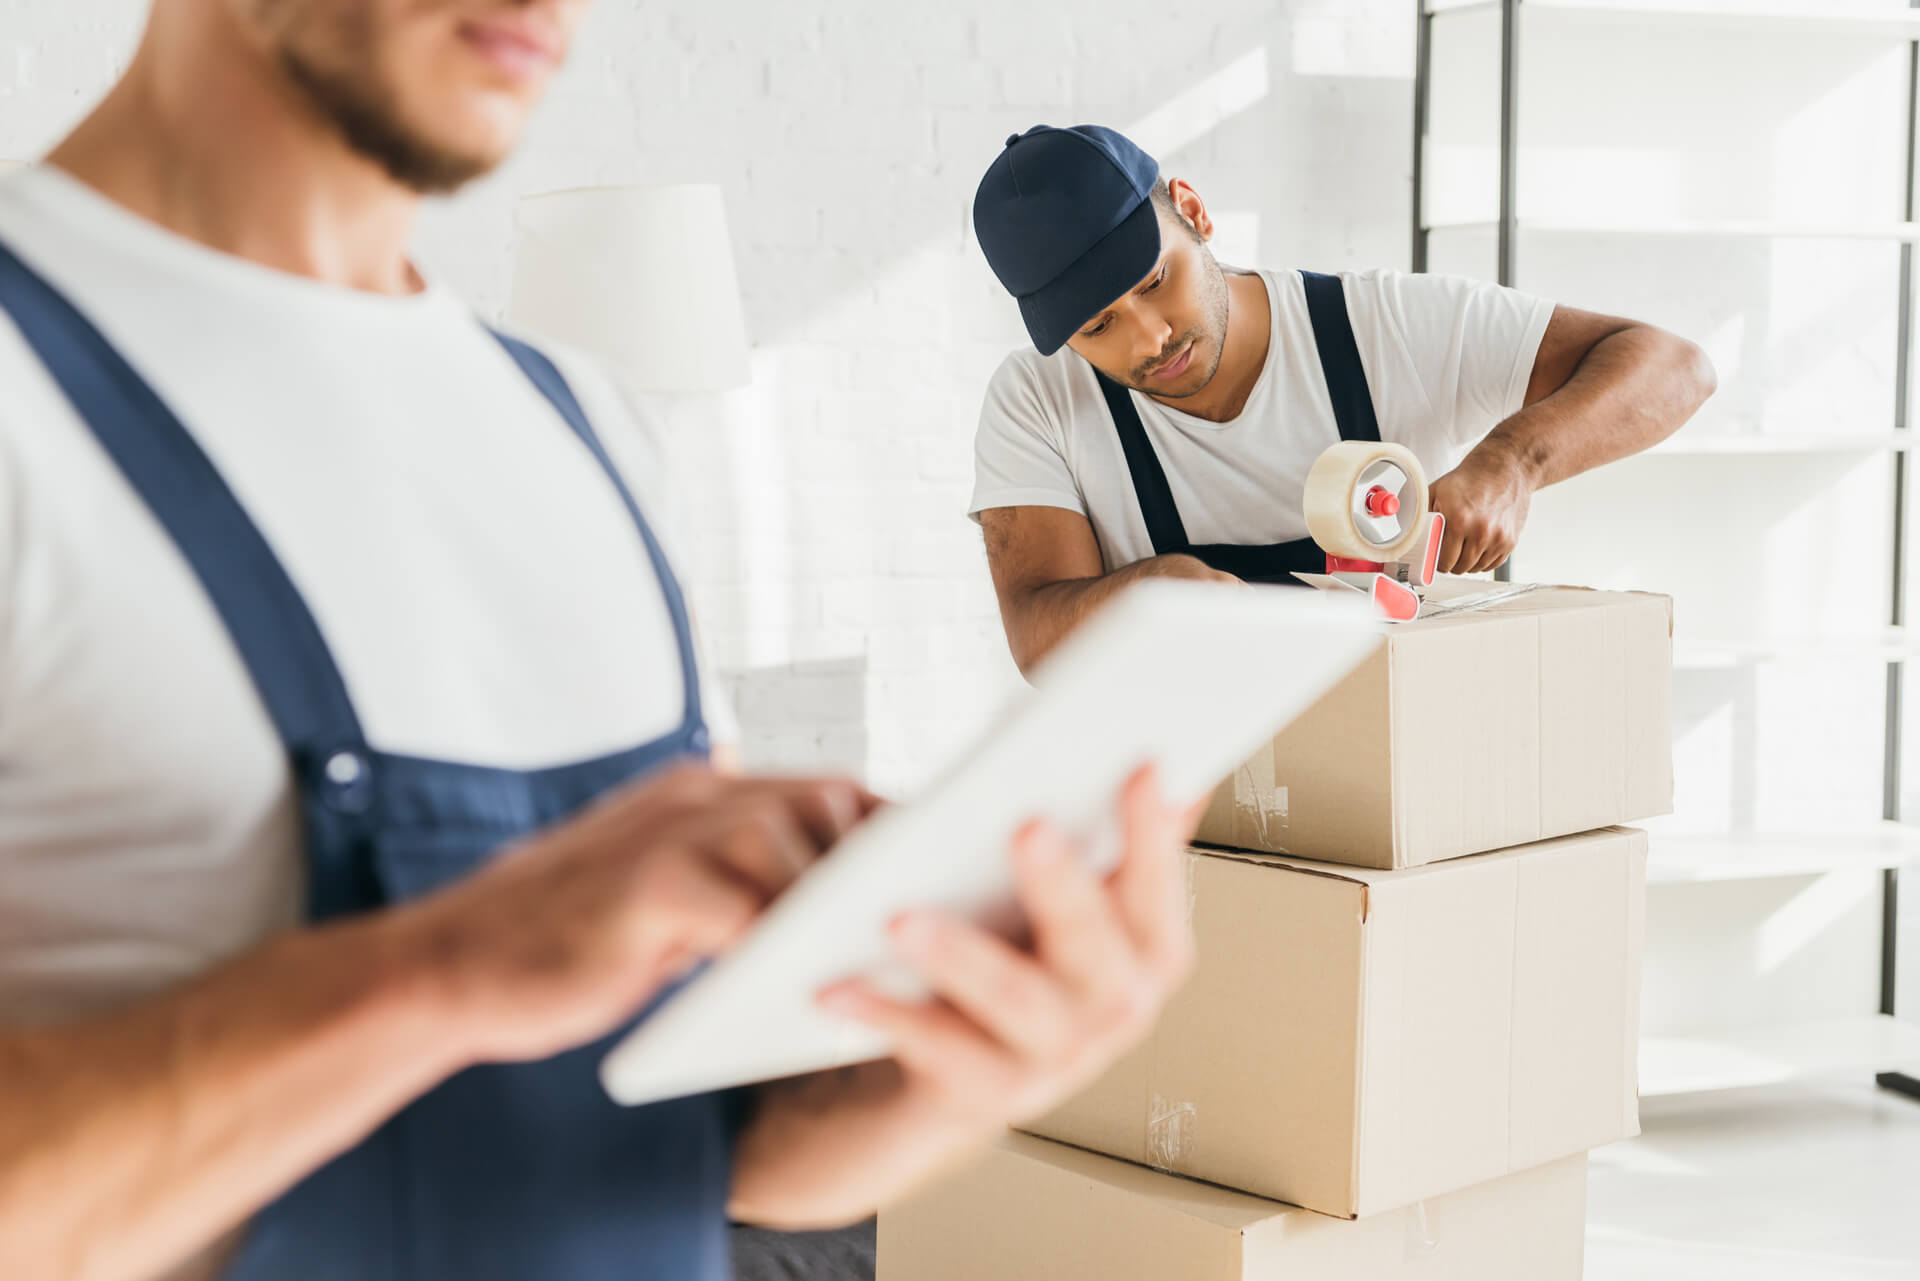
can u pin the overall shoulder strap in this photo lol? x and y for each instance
(546, 377)
(1340, 357)
(263, 612)
(1164, 526)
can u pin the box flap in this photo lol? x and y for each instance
(1222, 1207)
(1501, 1012)
(1649, 737)
(1438, 1019)
(1338, 753)
(1529, 1226)
(1292, 1091)
(1287, 863)
(1350, 1038)
(1609, 675)
(1576, 1016)
(1176, 1104)
(1383, 875)
(1030, 1209)
(1466, 734)
(1535, 598)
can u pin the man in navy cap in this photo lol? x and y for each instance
(1166, 420)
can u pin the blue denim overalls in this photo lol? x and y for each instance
(520, 1172)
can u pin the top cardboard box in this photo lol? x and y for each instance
(1478, 728)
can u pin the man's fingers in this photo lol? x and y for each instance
(698, 904)
(927, 1037)
(1005, 993)
(770, 831)
(762, 839)
(1188, 820)
(1472, 547)
(1076, 930)
(1151, 882)
(1490, 554)
(828, 808)
(1499, 548)
(662, 798)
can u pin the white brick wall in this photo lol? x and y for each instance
(823, 509)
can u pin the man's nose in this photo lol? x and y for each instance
(1150, 335)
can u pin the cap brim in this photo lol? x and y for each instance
(1118, 262)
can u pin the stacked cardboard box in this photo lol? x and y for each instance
(1036, 1209)
(1417, 997)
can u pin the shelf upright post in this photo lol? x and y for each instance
(1509, 139)
(1422, 96)
(1899, 1082)
(1509, 168)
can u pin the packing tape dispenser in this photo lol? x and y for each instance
(1366, 506)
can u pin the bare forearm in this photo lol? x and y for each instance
(831, 1149)
(129, 1141)
(1045, 616)
(1630, 392)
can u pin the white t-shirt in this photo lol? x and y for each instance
(1447, 359)
(474, 571)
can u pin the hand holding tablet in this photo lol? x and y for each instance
(1187, 677)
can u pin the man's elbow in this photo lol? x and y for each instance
(1026, 654)
(1696, 373)
(1023, 632)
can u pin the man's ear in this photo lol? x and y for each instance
(1192, 209)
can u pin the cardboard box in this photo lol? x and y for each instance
(1355, 1040)
(1529, 717)
(1031, 1209)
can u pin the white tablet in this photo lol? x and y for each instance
(1190, 676)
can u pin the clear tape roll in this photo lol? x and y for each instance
(1336, 511)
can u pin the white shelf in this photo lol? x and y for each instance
(1750, 229)
(1888, 645)
(1703, 445)
(1785, 17)
(1769, 1056)
(1688, 859)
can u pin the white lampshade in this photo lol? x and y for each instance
(641, 277)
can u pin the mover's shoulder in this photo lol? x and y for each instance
(1033, 390)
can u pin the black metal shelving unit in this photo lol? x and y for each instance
(1507, 230)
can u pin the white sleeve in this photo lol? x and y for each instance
(1019, 455)
(1472, 344)
(636, 444)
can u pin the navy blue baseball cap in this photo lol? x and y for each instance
(1066, 219)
